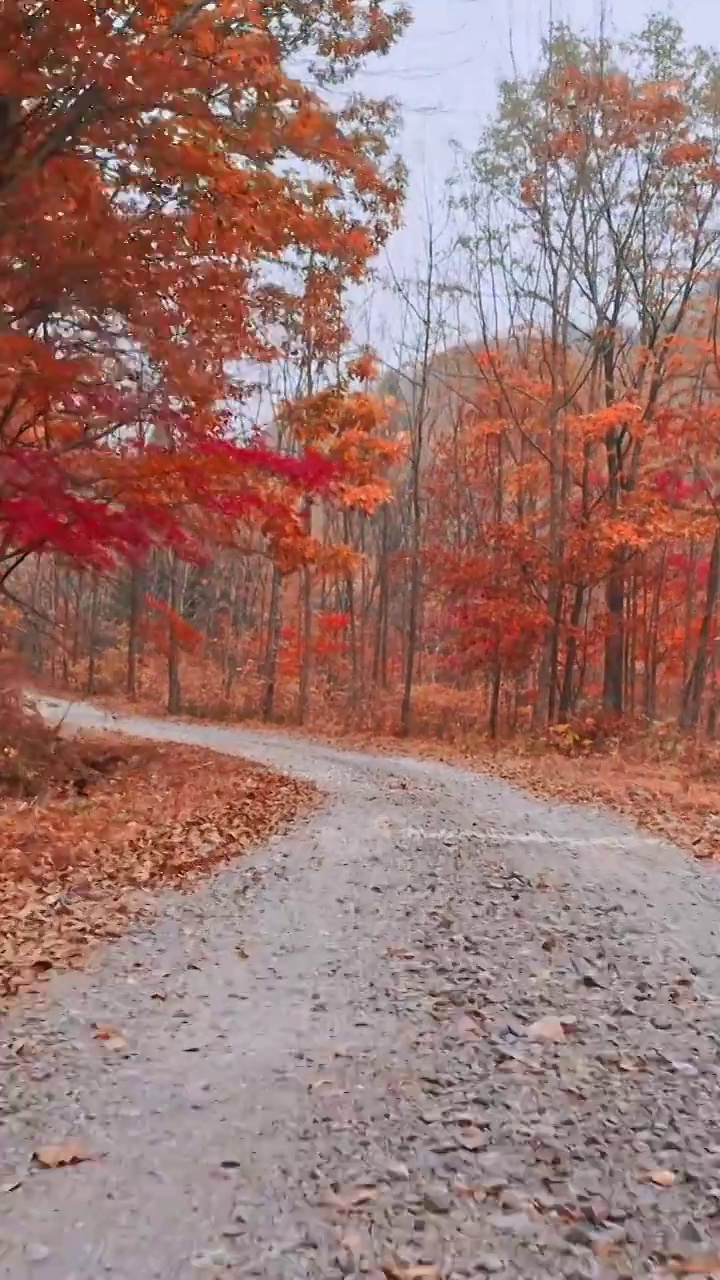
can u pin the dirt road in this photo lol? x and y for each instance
(440, 1024)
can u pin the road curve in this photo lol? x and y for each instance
(474, 1033)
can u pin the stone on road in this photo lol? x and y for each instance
(439, 1030)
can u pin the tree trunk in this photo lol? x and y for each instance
(92, 629)
(695, 686)
(412, 622)
(495, 698)
(133, 648)
(566, 704)
(174, 697)
(273, 646)
(306, 662)
(615, 638)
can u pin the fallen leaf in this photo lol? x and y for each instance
(57, 1155)
(662, 1177)
(472, 1139)
(349, 1251)
(243, 954)
(350, 1198)
(410, 1271)
(111, 1037)
(549, 1029)
(701, 1264)
(467, 1026)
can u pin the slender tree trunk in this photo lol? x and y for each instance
(379, 674)
(412, 619)
(273, 645)
(307, 634)
(695, 686)
(174, 696)
(137, 583)
(495, 698)
(92, 637)
(651, 653)
(566, 704)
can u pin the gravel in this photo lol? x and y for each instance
(467, 1039)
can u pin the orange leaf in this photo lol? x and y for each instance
(58, 1155)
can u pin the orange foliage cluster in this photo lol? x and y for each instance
(150, 231)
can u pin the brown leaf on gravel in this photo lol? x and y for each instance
(662, 1177)
(350, 1249)
(549, 1029)
(468, 1026)
(701, 1264)
(395, 1270)
(472, 1139)
(58, 1155)
(349, 1198)
(113, 1038)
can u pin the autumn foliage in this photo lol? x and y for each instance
(162, 176)
(524, 518)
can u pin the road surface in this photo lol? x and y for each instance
(440, 1028)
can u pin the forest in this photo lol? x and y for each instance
(508, 520)
(269, 494)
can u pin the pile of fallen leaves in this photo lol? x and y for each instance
(119, 816)
(34, 759)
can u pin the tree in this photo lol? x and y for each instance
(160, 168)
(605, 168)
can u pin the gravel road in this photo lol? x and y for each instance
(440, 1027)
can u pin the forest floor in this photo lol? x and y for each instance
(89, 827)
(438, 1030)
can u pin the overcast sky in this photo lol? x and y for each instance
(446, 69)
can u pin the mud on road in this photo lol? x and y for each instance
(439, 1030)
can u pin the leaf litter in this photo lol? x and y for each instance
(75, 866)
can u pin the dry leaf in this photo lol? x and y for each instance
(349, 1198)
(112, 1038)
(467, 1026)
(395, 1270)
(350, 1251)
(662, 1177)
(472, 1139)
(699, 1265)
(57, 1155)
(549, 1029)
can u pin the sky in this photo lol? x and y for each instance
(446, 68)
